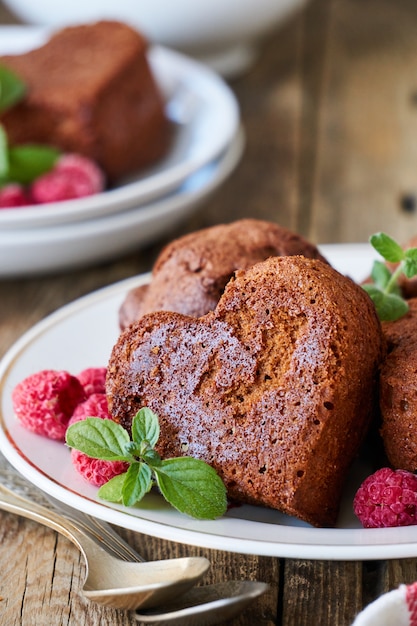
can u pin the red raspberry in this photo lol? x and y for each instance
(95, 406)
(93, 379)
(387, 498)
(45, 401)
(12, 196)
(73, 176)
(96, 471)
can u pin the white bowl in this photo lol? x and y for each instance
(223, 32)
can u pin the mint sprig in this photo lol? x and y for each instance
(24, 163)
(385, 290)
(12, 89)
(190, 485)
(27, 162)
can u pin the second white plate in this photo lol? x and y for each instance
(66, 246)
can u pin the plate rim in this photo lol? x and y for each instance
(335, 544)
(60, 247)
(184, 69)
(224, 164)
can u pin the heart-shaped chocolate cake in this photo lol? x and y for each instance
(275, 388)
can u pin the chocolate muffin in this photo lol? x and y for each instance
(275, 388)
(398, 391)
(191, 272)
(90, 90)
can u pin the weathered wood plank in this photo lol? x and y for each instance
(366, 165)
(327, 590)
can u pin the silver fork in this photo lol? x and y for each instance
(101, 532)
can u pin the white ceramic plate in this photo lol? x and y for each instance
(91, 323)
(54, 248)
(205, 118)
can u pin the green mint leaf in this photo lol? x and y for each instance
(188, 484)
(12, 88)
(145, 427)
(4, 154)
(112, 490)
(192, 487)
(28, 162)
(389, 249)
(410, 263)
(380, 274)
(411, 253)
(389, 306)
(131, 448)
(152, 458)
(137, 483)
(386, 291)
(100, 439)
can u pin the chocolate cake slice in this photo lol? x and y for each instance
(90, 90)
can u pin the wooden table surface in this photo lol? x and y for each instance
(330, 114)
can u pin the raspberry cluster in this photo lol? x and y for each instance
(387, 498)
(93, 379)
(73, 176)
(49, 401)
(95, 471)
(45, 401)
